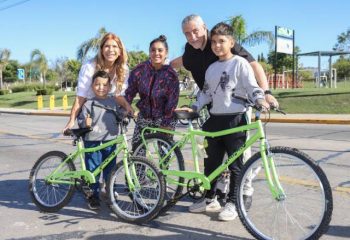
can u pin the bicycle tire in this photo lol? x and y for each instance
(159, 139)
(143, 204)
(306, 211)
(50, 197)
(184, 121)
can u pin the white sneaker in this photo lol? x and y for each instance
(229, 213)
(205, 205)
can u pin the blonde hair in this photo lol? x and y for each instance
(120, 65)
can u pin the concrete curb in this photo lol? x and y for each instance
(312, 121)
(289, 118)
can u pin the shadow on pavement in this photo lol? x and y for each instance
(339, 231)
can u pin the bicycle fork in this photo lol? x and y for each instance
(274, 184)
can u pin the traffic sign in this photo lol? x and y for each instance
(20, 73)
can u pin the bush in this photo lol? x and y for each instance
(32, 87)
(45, 91)
(28, 87)
(4, 91)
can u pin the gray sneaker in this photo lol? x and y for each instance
(229, 213)
(205, 205)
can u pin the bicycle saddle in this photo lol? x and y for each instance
(78, 132)
(186, 115)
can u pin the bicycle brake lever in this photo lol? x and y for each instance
(279, 111)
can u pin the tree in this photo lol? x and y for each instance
(67, 70)
(343, 43)
(343, 67)
(10, 71)
(38, 60)
(284, 61)
(243, 38)
(4, 58)
(72, 69)
(90, 45)
(136, 57)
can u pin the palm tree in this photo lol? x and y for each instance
(38, 59)
(90, 45)
(343, 43)
(4, 58)
(240, 33)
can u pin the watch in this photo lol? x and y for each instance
(267, 92)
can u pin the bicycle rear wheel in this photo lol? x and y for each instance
(306, 210)
(144, 202)
(50, 197)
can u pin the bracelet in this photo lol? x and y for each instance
(268, 92)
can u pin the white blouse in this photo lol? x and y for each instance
(86, 72)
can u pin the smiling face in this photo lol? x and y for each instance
(110, 51)
(101, 87)
(196, 34)
(221, 46)
(158, 54)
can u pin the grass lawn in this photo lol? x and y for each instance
(306, 100)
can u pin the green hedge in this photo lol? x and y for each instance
(32, 87)
(45, 91)
(4, 91)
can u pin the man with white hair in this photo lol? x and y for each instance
(197, 57)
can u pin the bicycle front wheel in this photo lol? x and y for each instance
(304, 212)
(142, 203)
(159, 146)
(50, 197)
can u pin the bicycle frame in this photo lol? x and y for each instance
(69, 177)
(189, 136)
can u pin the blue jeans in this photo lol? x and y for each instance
(94, 160)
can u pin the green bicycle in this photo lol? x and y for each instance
(292, 196)
(135, 187)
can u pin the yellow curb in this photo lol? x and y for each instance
(342, 189)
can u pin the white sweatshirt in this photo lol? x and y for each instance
(227, 85)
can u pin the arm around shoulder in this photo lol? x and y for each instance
(176, 63)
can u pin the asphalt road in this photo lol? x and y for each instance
(23, 139)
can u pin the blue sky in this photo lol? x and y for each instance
(58, 27)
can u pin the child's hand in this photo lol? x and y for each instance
(263, 104)
(88, 121)
(185, 109)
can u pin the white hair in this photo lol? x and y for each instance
(194, 18)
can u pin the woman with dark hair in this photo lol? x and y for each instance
(158, 87)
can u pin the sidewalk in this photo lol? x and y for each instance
(275, 117)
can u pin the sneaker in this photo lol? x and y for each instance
(94, 203)
(247, 201)
(229, 213)
(205, 205)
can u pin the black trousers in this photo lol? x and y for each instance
(217, 147)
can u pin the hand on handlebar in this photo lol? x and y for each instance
(69, 125)
(262, 105)
(272, 101)
(185, 109)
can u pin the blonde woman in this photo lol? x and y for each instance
(111, 58)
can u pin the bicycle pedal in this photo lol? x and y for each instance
(87, 191)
